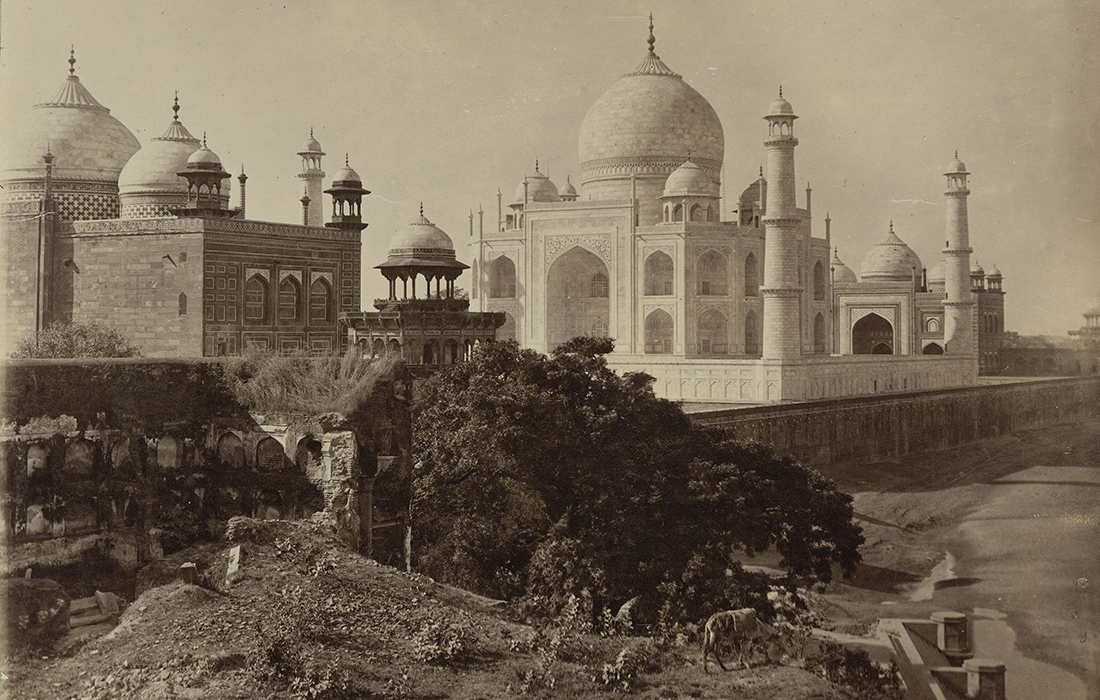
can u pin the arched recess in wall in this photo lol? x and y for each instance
(819, 281)
(571, 308)
(450, 352)
(713, 274)
(752, 334)
(320, 301)
(819, 332)
(378, 348)
(502, 278)
(932, 325)
(658, 333)
(872, 335)
(230, 452)
(270, 456)
(393, 347)
(508, 330)
(255, 299)
(932, 349)
(599, 287)
(430, 353)
(678, 212)
(309, 457)
(712, 333)
(697, 213)
(79, 459)
(659, 274)
(752, 280)
(169, 452)
(181, 302)
(289, 299)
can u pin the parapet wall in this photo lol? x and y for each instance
(879, 427)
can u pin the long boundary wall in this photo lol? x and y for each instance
(879, 427)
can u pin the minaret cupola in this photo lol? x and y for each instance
(347, 199)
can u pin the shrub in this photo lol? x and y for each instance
(442, 643)
(62, 340)
(854, 669)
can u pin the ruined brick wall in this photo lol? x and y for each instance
(878, 427)
(155, 454)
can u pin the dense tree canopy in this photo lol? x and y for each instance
(549, 475)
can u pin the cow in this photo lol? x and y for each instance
(736, 626)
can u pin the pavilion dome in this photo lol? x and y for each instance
(151, 178)
(311, 145)
(87, 142)
(780, 107)
(569, 190)
(890, 261)
(539, 188)
(347, 175)
(421, 239)
(649, 120)
(842, 274)
(689, 180)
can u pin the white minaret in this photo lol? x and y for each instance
(312, 177)
(958, 306)
(782, 290)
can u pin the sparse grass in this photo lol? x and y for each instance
(297, 384)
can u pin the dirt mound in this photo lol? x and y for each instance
(307, 617)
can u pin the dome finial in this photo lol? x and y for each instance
(652, 40)
(345, 153)
(422, 207)
(761, 172)
(536, 165)
(891, 227)
(956, 154)
(72, 59)
(176, 107)
(781, 91)
(311, 132)
(204, 139)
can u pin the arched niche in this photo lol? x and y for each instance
(571, 308)
(659, 274)
(659, 328)
(872, 335)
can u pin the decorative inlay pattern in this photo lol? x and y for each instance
(296, 274)
(600, 245)
(261, 271)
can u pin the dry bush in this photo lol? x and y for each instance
(297, 384)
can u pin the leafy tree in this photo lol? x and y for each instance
(553, 475)
(80, 340)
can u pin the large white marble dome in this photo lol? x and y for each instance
(650, 120)
(87, 143)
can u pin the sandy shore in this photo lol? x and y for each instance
(1021, 516)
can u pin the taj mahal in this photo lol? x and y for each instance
(720, 299)
(753, 309)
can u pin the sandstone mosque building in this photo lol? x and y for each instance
(95, 227)
(757, 309)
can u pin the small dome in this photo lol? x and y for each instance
(780, 107)
(203, 158)
(957, 166)
(154, 170)
(938, 273)
(421, 239)
(311, 145)
(690, 180)
(994, 272)
(890, 261)
(977, 269)
(842, 274)
(539, 189)
(568, 190)
(347, 174)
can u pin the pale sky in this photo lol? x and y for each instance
(446, 102)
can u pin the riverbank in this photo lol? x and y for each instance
(1020, 515)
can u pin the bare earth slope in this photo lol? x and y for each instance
(329, 618)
